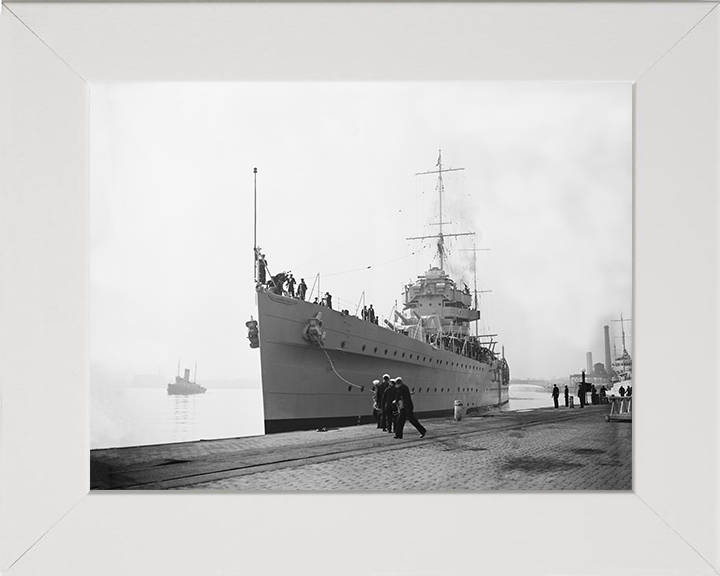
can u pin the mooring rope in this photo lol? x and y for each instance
(332, 365)
(362, 388)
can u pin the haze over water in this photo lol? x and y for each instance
(141, 416)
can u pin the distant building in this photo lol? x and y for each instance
(596, 377)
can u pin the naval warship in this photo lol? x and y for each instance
(317, 363)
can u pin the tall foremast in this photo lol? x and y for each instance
(440, 189)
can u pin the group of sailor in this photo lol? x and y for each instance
(324, 301)
(283, 283)
(368, 314)
(392, 406)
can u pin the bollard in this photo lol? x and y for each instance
(571, 402)
(458, 410)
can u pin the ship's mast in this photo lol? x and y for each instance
(622, 331)
(255, 248)
(440, 236)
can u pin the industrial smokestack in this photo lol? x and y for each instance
(608, 364)
(589, 363)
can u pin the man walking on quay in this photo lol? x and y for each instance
(405, 408)
(555, 395)
(567, 395)
(581, 391)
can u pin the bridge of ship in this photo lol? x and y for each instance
(436, 295)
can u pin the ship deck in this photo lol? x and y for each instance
(542, 449)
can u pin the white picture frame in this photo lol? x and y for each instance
(50, 523)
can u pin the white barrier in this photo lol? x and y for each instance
(620, 408)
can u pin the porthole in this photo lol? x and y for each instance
(403, 354)
(395, 353)
(349, 388)
(410, 356)
(435, 389)
(442, 390)
(342, 344)
(363, 348)
(423, 358)
(375, 351)
(445, 362)
(413, 390)
(428, 389)
(385, 351)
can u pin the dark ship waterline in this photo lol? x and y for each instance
(317, 363)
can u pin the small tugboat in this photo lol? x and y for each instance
(183, 385)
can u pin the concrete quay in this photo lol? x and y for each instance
(541, 449)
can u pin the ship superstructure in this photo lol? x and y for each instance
(318, 364)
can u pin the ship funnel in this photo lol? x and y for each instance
(608, 365)
(187, 374)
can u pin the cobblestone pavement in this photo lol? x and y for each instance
(542, 449)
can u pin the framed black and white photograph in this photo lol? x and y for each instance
(351, 294)
(228, 230)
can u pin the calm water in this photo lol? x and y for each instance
(525, 397)
(139, 416)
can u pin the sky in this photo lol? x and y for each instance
(546, 187)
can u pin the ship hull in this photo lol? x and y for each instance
(308, 386)
(174, 390)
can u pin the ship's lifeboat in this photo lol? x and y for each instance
(313, 330)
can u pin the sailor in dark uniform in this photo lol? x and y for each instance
(389, 405)
(555, 394)
(302, 288)
(291, 285)
(405, 410)
(582, 390)
(262, 269)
